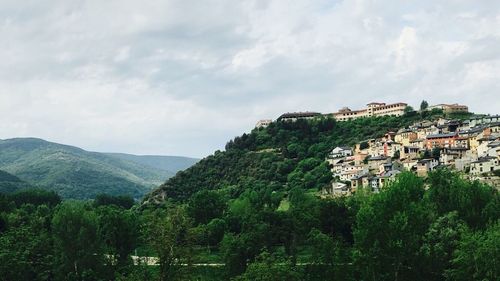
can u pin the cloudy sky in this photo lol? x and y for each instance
(181, 77)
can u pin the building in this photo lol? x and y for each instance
(405, 137)
(440, 140)
(340, 152)
(294, 116)
(263, 123)
(485, 119)
(375, 162)
(450, 108)
(335, 189)
(373, 109)
(409, 152)
(424, 166)
(484, 165)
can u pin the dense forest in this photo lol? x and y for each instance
(252, 212)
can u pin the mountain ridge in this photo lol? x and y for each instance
(74, 172)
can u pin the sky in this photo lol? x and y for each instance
(182, 77)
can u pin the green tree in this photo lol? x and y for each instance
(78, 248)
(439, 243)
(206, 205)
(171, 237)
(424, 105)
(477, 204)
(268, 268)
(388, 231)
(26, 251)
(477, 256)
(118, 229)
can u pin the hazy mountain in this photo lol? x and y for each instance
(10, 183)
(165, 163)
(74, 172)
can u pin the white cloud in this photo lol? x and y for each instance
(182, 77)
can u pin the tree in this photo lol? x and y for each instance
(424, 105)
(323, 247)
(409, 111)
(26, 251)
(118, 229)
(364, 145)
(477, 256)
(268, 268)
(122, 201)
(439, 244)
(477, 204)
(436, 153)
(78, 248)
(172, 239)
(388, 231)
(397, 155)
(206, 205)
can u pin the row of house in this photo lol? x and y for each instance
(420, 148)
(372, 109)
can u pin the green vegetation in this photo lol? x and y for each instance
(280, 157)
(449, 231)
(75, 173)
(170, 164)
(251, 213)
(10, 183)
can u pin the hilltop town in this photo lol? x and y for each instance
(470, 145)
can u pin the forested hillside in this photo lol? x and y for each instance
(282, 156)
(252, 213)
(10, 183)
(75, 173)
(170, 164)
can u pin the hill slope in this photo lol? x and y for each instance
(281, 156)
(74, 172)
(10, 183)
(164, 163)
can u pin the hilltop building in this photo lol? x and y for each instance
(373, 109)
(263, 123)
(294, 116)
(450, 108)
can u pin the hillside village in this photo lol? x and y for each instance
(471, 146)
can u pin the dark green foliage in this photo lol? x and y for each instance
(119, 230)
(35, 197)
(122, 201)
(78, 249)
(267, 267)
(388, 231)
(253, 211)
(438, 245)
(10, 183)
(476, 203)
(477, 256)
(424, 105)
(205, 206)
(283, 155)
(436, 153)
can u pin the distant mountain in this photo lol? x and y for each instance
(76, 173)
(10, 183)
(165, 163)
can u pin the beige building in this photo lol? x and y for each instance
(405, 137)
(424, 166)
(484, 165)
(263, 123)
(450, 108)
(373, 109)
